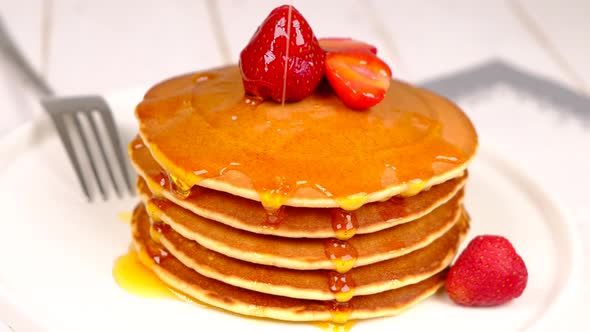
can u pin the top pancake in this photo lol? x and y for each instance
(314, 153)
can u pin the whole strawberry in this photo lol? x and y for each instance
(262, 62)
(488, 272)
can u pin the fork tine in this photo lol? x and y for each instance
(114, 136)
(67, 143)
(86, 147)
(102, 151)
(60, 107)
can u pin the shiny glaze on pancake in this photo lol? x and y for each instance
(317, 153)
(305, 254)
(249, 215)
(369, 279)
(251, 303)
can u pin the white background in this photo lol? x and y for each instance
(105, 46)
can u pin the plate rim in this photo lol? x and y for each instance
(574, 247)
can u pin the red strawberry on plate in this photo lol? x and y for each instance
(263, 60)
(346, 44)
(488, 272)
(360, 79)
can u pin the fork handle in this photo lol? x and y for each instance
(16, 57)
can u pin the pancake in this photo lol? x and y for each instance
(307, 254)
(315, 284)
(251, 303)
(314, 153)
(249, 215)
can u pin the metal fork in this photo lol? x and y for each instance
(68, 115)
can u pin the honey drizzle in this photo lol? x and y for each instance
(342, 285)
(340, 311)
(157, 253)
(157, 229)
(179, 187)
(272, 199)
(353, 202)
(413, 187)
(156, 206)
(137, 144)
(160, 204)
(286, 66)
(344, 223)
(163, 180)
(217, 121)
(132, 273)
(341, 253)
(274, 218)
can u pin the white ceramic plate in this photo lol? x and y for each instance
(57, 251)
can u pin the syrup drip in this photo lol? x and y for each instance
(341, 253)
(154, 234)
(137, 144)
(352, 203)
(163, 181)
(157, 253)
(273, 199)
(132, 273)
(344, 223)
(342, 285)
(413, 188)
(340, 311)
(286, 66)
(179, 187)
(154, 208)
(289, 139)
(274, 218)
(157, 229)
(161, 204)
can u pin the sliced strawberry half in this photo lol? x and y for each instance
(360, 79)
(346, 44)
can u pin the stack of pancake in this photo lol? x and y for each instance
(307, 211)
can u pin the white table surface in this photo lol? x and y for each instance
(104, 46)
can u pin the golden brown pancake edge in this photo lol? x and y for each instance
(313, 284)
(250, 303)
(305, 254)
